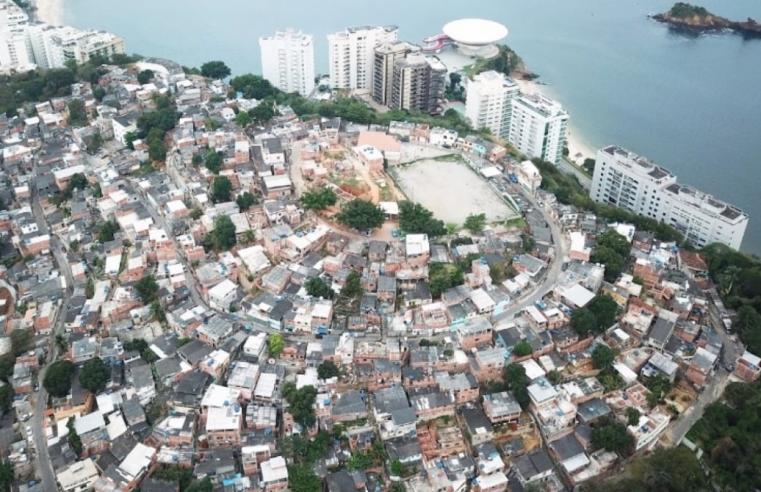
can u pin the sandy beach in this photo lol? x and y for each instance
(50, 11)
(578, 148)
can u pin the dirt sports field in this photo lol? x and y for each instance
(451, 191)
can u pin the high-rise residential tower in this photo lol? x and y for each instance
(351, 54)
(288, 61)
(489, 102)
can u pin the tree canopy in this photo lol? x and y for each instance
(94, 375)
(316, 287)
(300, 403)
(57, 379)
(147, 289)
(243, 119)
(145, 76)
(275, 344)
(353, 286)
(361, 214)
(475, 223)
(221, 189)
(443, 276)
(318, 198)
(518, 382)
(613, 436)
(327, 370)
(596, 317)
(416, 219)
(77, 113)
(522, 349)
(302, 478)
(602, 356)
(215, 70)
(246, 200)
(222, 237)
(213, 161)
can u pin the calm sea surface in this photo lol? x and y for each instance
(692, 104)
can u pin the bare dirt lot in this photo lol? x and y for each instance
(451, 191)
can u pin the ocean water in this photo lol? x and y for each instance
(691, 104)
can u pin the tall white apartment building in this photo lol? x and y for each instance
(14, 51)
(629, 181)
(288, 61)
(538, 127)
(489, 102)
(351, 53)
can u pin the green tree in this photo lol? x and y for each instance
(359, 460)
(57, 379)
(107, 231)
(475, 223)
(246, 200)
(6, 398)
(221, 190)
(583, 322)
(397, 468)
(632, 416)
(74, 440)
(302, 478)
(352, 289)
(602, 356)
(300, 403)
(614, 437)
(99, 93)
(614, 262)
(518, 382)
(196, 213)
(145, 76)
(361, 214)
(243, 119)
(443, 276)
(275, 344)
(61, 343)
(96, 142)
(182, 476)
(416, 219)
(157, 311)
(213, 161)
(248, 237)
(263, 112)
(94, 375)
(589, 165)
(316, 287)
(318, 198)
(554, 377)
(90, 288)
(215, 70)
(522, 349)
(328, 369)
(454, 80)
(605, 310)
(135, 345)
(222, 238)
(253, 86)
(77, 113)
(203, 485)
(21, 342)
(147, 289)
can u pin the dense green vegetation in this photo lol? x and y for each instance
(612, 250)
(682, 10)
(246, 200)
(328, 369)
(300, 403)
(318, 198)
(182, 476)
(666, 470)
(57, 379)
(738, 280)
(730, 435)
(361, 214)
(154, 125)
(222, 237)
(475, 223)
(94, 375)
(215, 70)
(316, 287)
(596, 317)
(611, 435)
(416, 219)
(506, 62)
(568, 190)
(518, 382)
(147, 289)
(443, 276)
(221, 189)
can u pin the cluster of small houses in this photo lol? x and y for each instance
(425, 403)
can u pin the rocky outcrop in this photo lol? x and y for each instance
(697, 19)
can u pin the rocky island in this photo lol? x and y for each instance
(687, 17)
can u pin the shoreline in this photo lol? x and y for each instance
(578, 148)
(49, 11)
